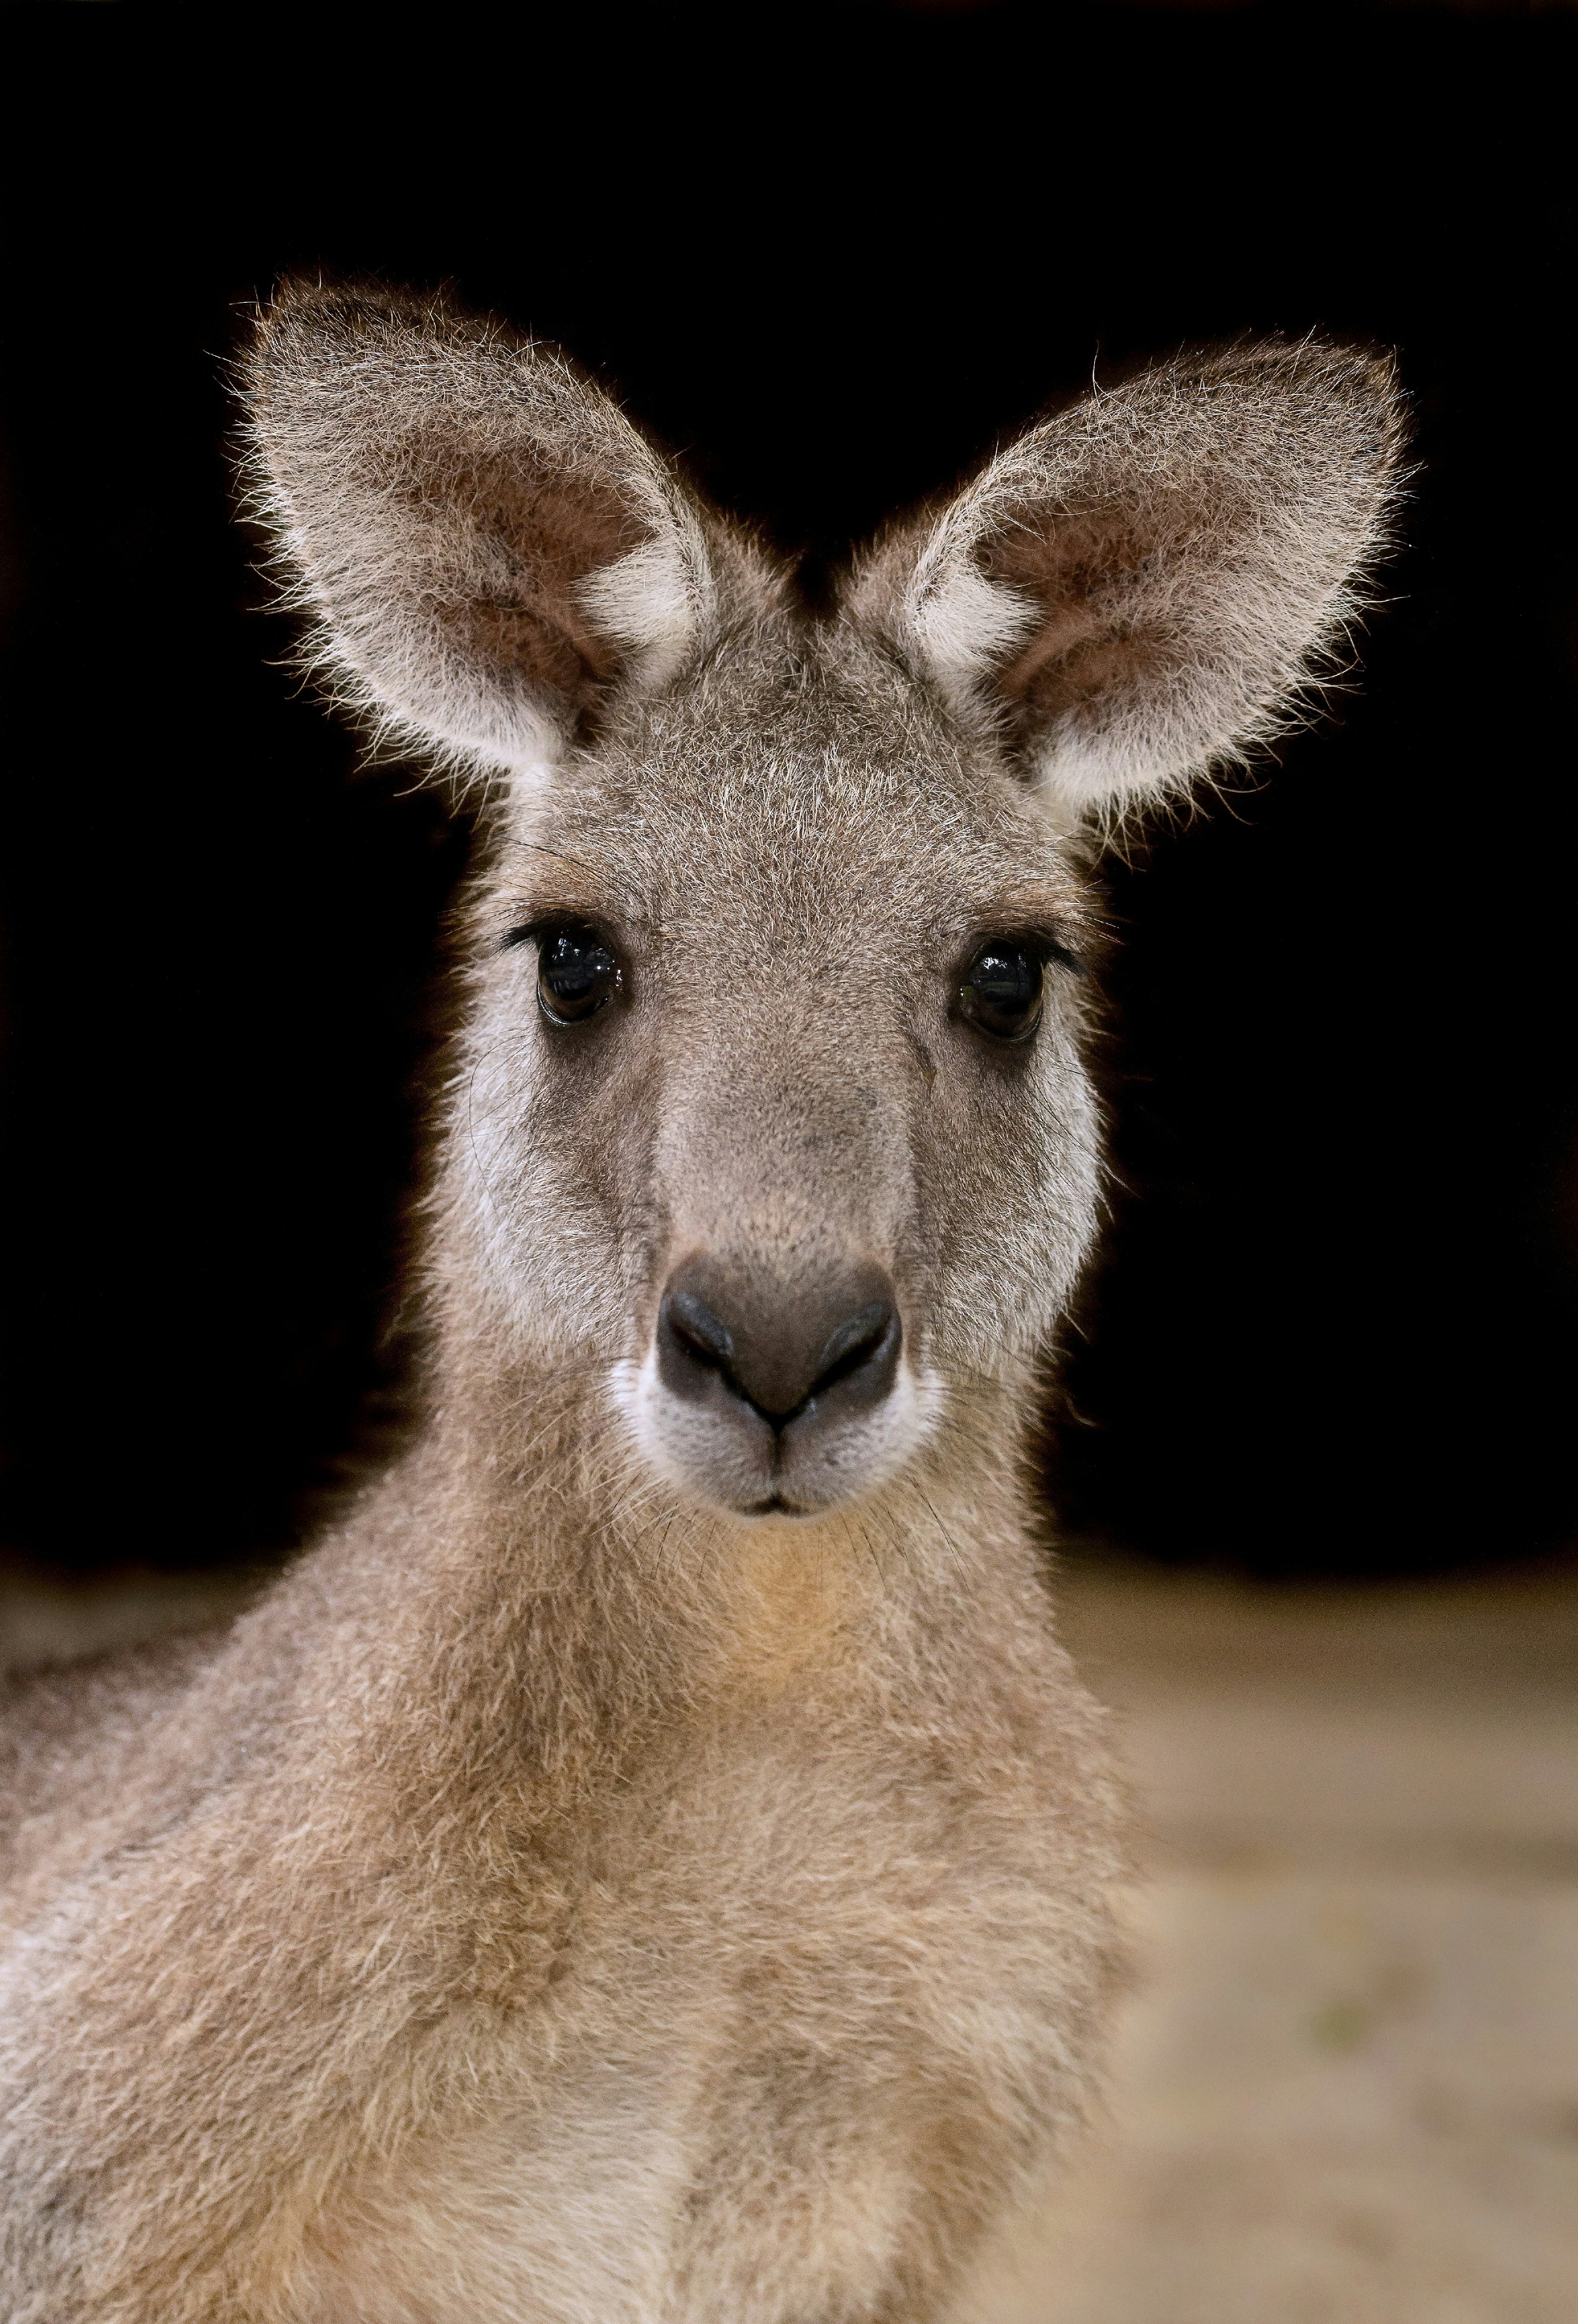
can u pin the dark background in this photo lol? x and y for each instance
(832, 255)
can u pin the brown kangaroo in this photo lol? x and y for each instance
(652, 1861)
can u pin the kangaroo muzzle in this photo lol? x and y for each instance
(773, 1399)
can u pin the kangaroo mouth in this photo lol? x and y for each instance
(752, 1465)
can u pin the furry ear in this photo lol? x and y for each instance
(1138, 589)
(489, 548)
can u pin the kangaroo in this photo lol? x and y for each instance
(652, 1861)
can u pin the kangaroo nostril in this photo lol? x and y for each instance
(863, 1338)
(704, 1334)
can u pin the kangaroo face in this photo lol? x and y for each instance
(772, 1115)
(775, 1104)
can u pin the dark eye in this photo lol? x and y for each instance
(577, 973)
(1001, 992)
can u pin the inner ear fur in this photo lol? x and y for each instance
(504, 585)
(487, 548)
(1139, 588)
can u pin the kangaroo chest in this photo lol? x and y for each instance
(790, 1996)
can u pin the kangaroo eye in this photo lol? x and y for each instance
(1001, 992)
(576, 975)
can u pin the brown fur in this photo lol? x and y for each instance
(568, 1895)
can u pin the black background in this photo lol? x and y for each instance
(833, 256)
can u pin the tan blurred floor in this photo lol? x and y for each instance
(1347, 2088)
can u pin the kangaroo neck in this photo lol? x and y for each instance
(532, 1577)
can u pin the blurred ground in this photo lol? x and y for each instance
(1346, 2089)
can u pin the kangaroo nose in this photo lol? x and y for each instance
(836, 1344)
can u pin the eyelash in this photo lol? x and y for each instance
(551, 925)
(1048, 948)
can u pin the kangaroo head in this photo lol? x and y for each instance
(771, 1115)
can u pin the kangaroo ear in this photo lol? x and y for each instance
(489, 549)
(1138, 589)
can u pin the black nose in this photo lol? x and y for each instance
(834, 1345)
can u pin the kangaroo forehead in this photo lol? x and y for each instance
(831, 878)
(788, 814)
